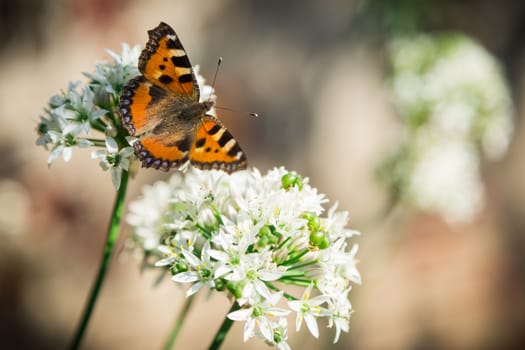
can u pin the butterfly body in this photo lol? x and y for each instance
(161, 108)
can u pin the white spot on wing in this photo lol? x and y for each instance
(218, 134)
(183, 71)
(228, 146)
(177, 52)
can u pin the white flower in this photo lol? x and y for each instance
(339, 309)
(308, 309)
(63, 145)
(257, 268)
(280, 334)
(249, 235)
(80, 111)
(72, 115)
(233, 244)
(68, 116)
(202, 270)
(110, 78)
(113, 159)
(129, 56)
(258, 315)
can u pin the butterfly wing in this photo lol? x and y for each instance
(215, 148)
(170, 152)
(164, 62)
(144, 109)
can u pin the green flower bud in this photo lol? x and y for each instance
(235, 288)
(314, 223)
(320, 239)
(316, 237)
(291, 179)
(220, 284)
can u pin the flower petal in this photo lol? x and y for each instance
(311, 323)
(185, 277)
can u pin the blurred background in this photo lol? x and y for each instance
(319, 74)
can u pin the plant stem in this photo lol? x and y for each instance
(111, 238)
(223, 331)
(178, 324)
(97, 142)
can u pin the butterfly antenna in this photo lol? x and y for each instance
(251, 114)
(215, 78)
(213, 89)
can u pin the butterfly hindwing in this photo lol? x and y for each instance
(215, 148)
(165, 63)
(162, 153)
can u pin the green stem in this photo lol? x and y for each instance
(97, 142)
(297, 281)
(293, 273)
(302, 265)
(112, 235)
(98, 125)
(225, 327)
(295, 258)
(178, 324)
(286, 295)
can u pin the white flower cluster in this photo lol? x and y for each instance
(250, 235)
(71, 116)
(455, 105)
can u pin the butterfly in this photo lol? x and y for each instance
(161, 108)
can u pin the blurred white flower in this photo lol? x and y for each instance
(446, 179)
(148, 216)
(454, 103)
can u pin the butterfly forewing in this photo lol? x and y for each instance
(165, 63)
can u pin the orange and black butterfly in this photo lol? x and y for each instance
(161, 108)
